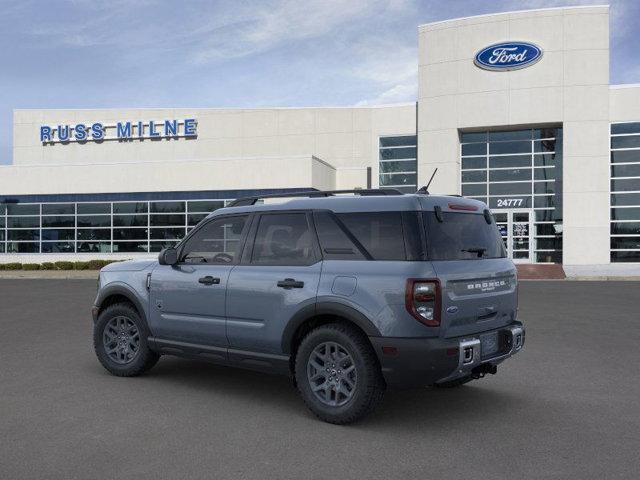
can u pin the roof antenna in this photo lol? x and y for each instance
(425, 190)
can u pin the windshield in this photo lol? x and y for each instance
(462, 236)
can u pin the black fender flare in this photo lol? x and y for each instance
(326, 308)
(124, 290)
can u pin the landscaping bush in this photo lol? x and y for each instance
(64, 265)
(47, 266)
(81, 265)
(98, 264)
(30, 266)
(12, 266)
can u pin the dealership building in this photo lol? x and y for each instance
(514, 109)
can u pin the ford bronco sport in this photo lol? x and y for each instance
(349, 295)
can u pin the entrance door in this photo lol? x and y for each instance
(516, 227)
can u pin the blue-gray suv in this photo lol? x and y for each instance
(347, 294)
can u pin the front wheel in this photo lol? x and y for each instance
(337, 374)
(120, 341)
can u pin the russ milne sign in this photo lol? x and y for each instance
(508, 56)
(96, 132)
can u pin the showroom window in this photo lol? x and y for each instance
(99, 227)
(518, 173)
(625, 192)
(398, 163)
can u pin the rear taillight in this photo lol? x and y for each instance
(422, 299)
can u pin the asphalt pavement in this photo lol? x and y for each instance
(567, 407)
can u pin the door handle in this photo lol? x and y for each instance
(209, 280)
(290, 283)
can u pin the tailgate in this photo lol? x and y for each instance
(477, 295)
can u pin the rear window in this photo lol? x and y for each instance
(462, 236)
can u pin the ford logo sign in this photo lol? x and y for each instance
(508, 56)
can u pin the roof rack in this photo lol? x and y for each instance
(246, 201)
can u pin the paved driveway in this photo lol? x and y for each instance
(567, 407)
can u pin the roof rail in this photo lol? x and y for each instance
(246, 201)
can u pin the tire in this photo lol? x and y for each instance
(126, 331)
(350, 394)
(454, 383)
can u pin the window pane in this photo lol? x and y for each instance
(626, 228)
(58, 221)
(166, 220)
(167, 207)
(471, 190)
(625, 213)
(58, 247)
(23, 209)
(509, 188)
(544, 145)
(510, 161)
(93, 208)
(68, 234)
(129, 233)
(474, 149)
(633, 127)
(459, 232)
(468, 137)
(625, 170)
(218, 241)
(195, 218)
(629, 243)
(23, 234)
(549, 257)
(625, 256)
(23, 247)
(129, 247)
(545, 229)
(167, 233)
(94, 221)
(94, 247)
(549, 243)
(624, 199)
(131, 220)
(544, 187)
(544, 202)
(283, 239)
(94, 234)
(544, 160)
(625, 156)
(403, 166)
(58, 209)
(130, 207)
(23, 222)
(398, 141)
(547, 133)
(396, 153)
(544, 173)
(632, 141)
(510, 175)
(474, 163)
(509, 147)
(474, 176)
(630, 184)
(512, 135)
(379, 233)
(206, 206)
(334, 242)
(398, 179)
(544, 215)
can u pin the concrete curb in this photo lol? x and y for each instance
(48, 274)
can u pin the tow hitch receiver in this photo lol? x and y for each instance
(481, 370)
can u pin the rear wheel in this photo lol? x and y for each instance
(120, 341)
(337, 374)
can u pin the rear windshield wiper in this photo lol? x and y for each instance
(479, 250)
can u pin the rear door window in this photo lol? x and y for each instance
(380, 233)
(283, 239)
(335, 240)
(462, 236)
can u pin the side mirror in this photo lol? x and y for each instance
(168, 256)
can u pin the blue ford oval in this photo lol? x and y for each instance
(508, 56)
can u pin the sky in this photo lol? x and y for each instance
(236, 53)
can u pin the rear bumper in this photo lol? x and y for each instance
(418, 362)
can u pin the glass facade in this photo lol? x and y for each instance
(519, 170)
(99, 227)
(398, 163)
(625, 192)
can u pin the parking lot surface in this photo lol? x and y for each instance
(568, 406)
